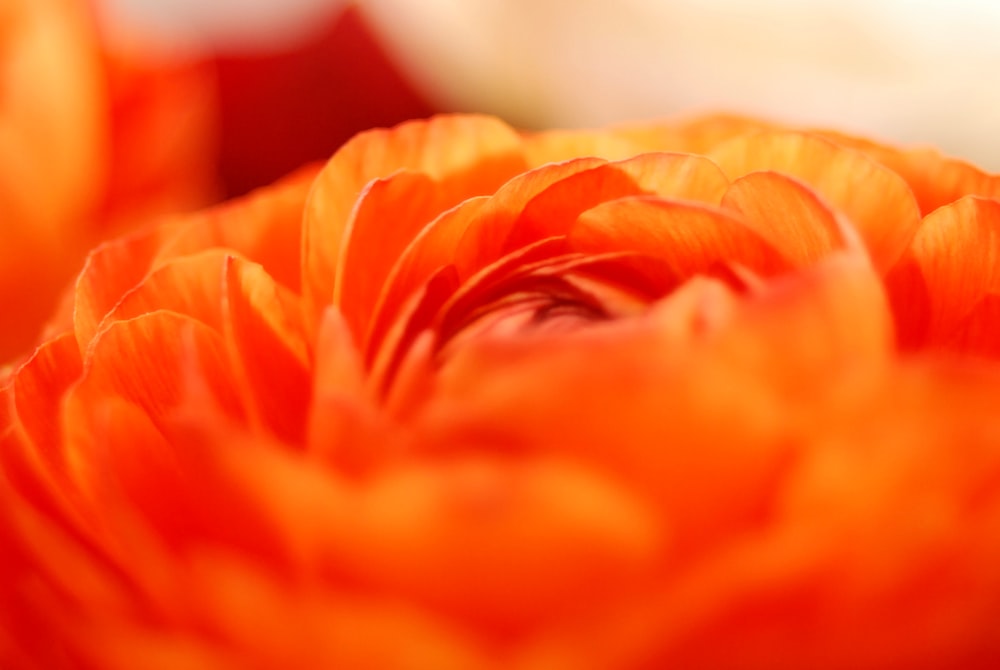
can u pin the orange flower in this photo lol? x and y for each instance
(92, 140)
(715, 394)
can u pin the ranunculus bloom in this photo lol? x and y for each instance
(702, 395)
(92, 139)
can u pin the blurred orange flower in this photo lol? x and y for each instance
(93, 139)
(710, 394)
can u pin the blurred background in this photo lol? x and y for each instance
(118, 112)
(908, 71)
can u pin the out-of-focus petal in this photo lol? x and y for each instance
(949, 270)
(876, 200)
(263, 324)
(791, 216)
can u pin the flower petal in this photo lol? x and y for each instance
(697, 135)
(952, 265)
(110, 271)
(465, 155)
(31, 452)
(189, 285)
(790, 216)
(470, 235)
(553, 211)
(979, 332)
(374, 241)
(440, 533)
(154, 361)
(563, 145)
(689, 238)
(264, 226)
(876, 200)
(341, 430)
(936, 180)
(645, 412)
(263, 326)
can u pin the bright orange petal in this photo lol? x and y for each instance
(154, 361)
(791, 216)
(689, 238)
(553, 211)
(950, 267)
(936, 180)
(432, 249)
(470, 236)
(264, 226)
(32, 455)
(374, 240)
(659, 379)
(110, 271)
(189, 285)
(466, 155)
(482, 243)
(979, 332)
(263, 324)
(877, 201)
(341, 430)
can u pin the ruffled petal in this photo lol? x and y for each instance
(264, 226)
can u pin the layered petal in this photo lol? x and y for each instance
(585, 399)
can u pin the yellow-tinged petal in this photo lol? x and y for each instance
(790, 216)
(563, 145)
(877, 201)
(696, 135)
(936, 180)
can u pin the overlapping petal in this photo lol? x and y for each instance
(95, 139)
(711, 394)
